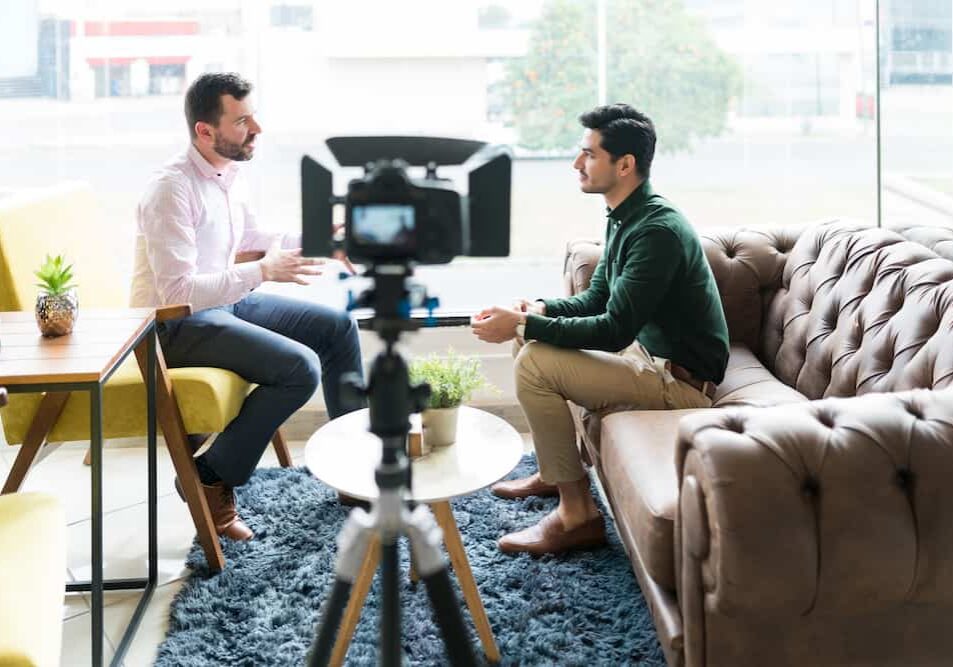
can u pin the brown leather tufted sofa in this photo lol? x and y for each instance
(807, 518)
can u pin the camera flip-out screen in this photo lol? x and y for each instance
(383, 224)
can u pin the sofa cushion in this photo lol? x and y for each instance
(748, 382)
(637, 464)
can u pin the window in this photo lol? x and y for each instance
(916, 99)
(297, 16)
(765, 111)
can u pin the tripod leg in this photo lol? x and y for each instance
(356, 602)
(461, 566)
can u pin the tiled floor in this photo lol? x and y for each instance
(124, 540)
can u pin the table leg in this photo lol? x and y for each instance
(356, 602)
(153, 469)
(149, 376)
(461, 566)
(96, 510)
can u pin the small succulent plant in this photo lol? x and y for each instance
(55, 276)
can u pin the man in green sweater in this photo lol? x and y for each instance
(649, 333)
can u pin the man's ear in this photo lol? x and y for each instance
(203, 131)
(627, 164)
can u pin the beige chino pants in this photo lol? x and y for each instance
(547, 376)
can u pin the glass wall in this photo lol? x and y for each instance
(765, 110)
(916, 97)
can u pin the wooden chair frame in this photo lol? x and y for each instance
(172, 428)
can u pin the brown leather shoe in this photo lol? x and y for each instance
(521, 488)
(549, 536)
(221, 505)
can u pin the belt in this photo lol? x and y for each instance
(681, 373)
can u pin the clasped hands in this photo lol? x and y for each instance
(498, 325)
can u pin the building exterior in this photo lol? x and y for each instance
(918, 36)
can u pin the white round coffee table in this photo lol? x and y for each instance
(343, 454)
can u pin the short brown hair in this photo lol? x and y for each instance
(203, 101)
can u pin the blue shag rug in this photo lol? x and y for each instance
(583, 608)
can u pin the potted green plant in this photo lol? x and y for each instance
(453, 379)
(56, 304)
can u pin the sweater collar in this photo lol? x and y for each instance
(635, 201)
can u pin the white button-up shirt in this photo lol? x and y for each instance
(192, 221)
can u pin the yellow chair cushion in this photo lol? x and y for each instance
(208, 398)
(32, 577)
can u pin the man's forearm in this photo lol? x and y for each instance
(209, 290)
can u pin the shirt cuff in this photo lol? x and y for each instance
(534, 324)
(250, 274)
(552, 306)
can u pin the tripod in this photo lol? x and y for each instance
(391, 400)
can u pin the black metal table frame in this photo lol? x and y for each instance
(97, 586)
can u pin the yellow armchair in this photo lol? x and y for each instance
(32, 575)
(66, 220)
(32, 579)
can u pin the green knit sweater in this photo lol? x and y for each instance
(652, 283)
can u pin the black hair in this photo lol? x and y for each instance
(624, 131)
(203, 101)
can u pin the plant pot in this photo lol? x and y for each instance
(440, 426)
(56, 314)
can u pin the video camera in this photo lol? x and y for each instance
(392, 218)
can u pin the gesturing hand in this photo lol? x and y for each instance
(337, 232)
(288, 266)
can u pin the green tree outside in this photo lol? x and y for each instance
(660, 59)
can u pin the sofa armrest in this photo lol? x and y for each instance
(580, 261)
(831, 506)
(173, 312)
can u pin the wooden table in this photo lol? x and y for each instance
(83, 361)
(344, 454)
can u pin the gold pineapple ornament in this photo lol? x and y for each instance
(56, 305)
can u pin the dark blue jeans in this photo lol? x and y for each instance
(285, 346)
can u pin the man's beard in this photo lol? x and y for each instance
(231, 150)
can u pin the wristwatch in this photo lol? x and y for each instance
(521, 328)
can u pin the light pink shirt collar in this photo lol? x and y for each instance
(225, 177)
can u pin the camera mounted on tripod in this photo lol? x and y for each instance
(392, 217)
(392, 222)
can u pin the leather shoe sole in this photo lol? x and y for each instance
(550, 536)
(523, 488)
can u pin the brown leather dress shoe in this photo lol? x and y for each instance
(221, 505)
(549, 536)
(522, 488)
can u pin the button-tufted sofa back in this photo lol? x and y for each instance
(832, 309)
(748, 265)
(860, 310)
